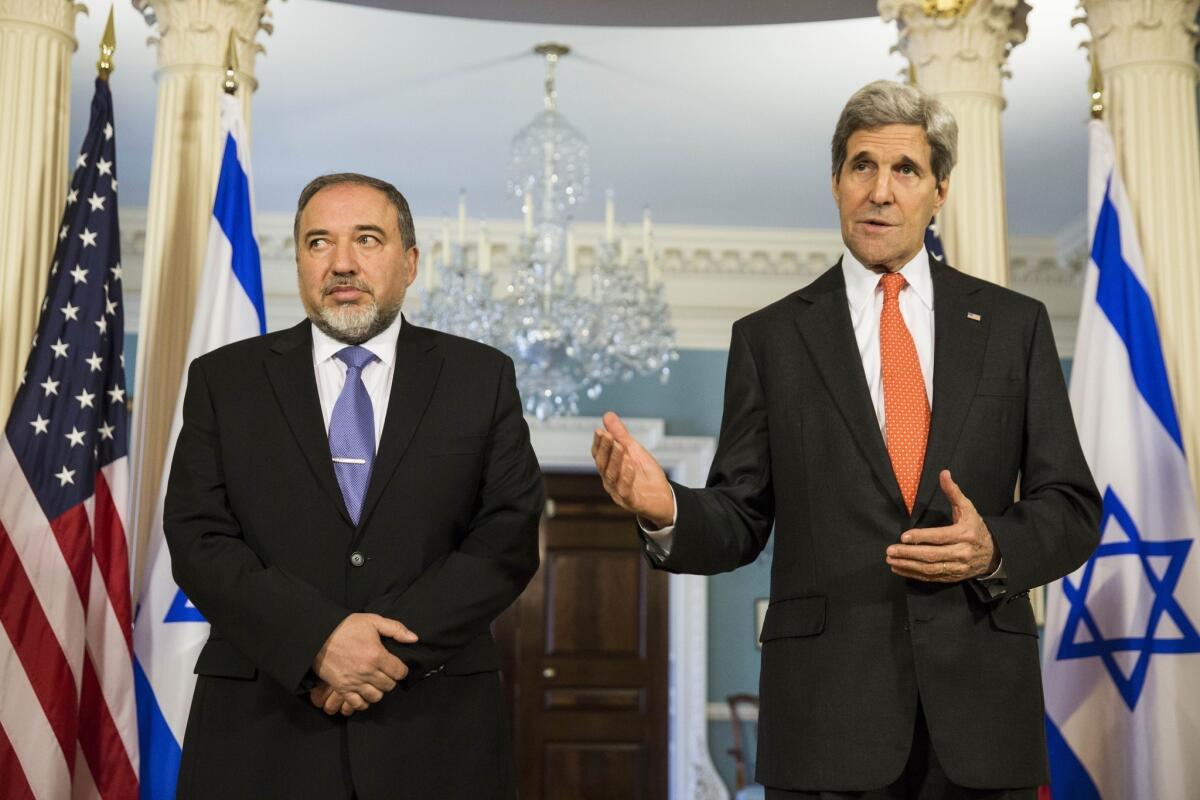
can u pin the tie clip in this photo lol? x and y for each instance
(340, 460)
(973, 316)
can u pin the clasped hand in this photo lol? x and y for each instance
(949, 554)
(355, 669)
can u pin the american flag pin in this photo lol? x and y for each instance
(973, 316)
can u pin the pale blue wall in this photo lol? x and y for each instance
(690, 401)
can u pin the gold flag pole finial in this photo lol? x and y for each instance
(1096, 84)
(231, 64)
(108, 46)
(946, 9)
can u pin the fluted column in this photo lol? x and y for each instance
(1146, 51)
(192, 37)
(37, 38)
(958, 56)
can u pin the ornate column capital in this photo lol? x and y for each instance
(1146, 31)
(191, 35)
(958, 48)
(56, 16)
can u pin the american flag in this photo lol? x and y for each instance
(933, 241)
(68, 725)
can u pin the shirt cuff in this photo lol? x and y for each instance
(993, 585)
(658, 542)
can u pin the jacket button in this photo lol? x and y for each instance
(357, 559)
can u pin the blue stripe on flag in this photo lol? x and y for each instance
(232, 210)
(160, 752)
(1127, 305)
(1069, 779)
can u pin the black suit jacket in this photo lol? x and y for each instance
(848, 646)
(261, 542)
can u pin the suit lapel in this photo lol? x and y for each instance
(290, 370)
(959, 343)
(828, 333)
(418, 364)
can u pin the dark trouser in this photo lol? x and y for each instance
(923, 779)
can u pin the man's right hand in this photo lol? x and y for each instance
(630, 474)
(356, 666)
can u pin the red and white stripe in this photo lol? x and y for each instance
(68, 719)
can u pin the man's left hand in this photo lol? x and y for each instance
(325, 698)
(949, 554)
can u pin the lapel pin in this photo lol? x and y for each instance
(971, 315)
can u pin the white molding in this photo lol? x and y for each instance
(565, 444)
(713, 275)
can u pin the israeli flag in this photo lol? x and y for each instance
(1122, 654)
(169, 632)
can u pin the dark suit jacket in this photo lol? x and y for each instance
(848, 646)
(261, 542)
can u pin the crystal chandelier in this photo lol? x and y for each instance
(569, 334)
(459, 299)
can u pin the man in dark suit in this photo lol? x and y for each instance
(881, 419)
(351, 503)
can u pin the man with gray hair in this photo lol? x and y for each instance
(352, 502)
(880, 421)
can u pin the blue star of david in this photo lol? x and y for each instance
(182, 610)
(1164, 603)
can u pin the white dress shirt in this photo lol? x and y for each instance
(376, 376)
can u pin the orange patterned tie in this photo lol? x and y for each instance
(905, 404)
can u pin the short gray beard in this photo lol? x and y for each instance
(352, 324)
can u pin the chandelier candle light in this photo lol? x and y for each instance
(568, 334)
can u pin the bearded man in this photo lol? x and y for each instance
(352, 501)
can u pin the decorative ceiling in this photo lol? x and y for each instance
(636, 13)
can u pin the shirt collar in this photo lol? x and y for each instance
(861, 283)
(383, 345)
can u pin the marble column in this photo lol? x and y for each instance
(1147, 55)
(957, 51)
(37, 38)
(192, 37)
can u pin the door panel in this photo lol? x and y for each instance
(592, 602)
(596, 772)
(585, 655)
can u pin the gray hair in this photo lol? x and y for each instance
(408, 236)
(889, 103)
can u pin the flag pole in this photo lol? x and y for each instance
(108, 46)
(231, 64)
(1095, 83)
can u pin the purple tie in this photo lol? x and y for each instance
(352, 431)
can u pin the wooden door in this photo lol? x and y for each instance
(585, 650)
